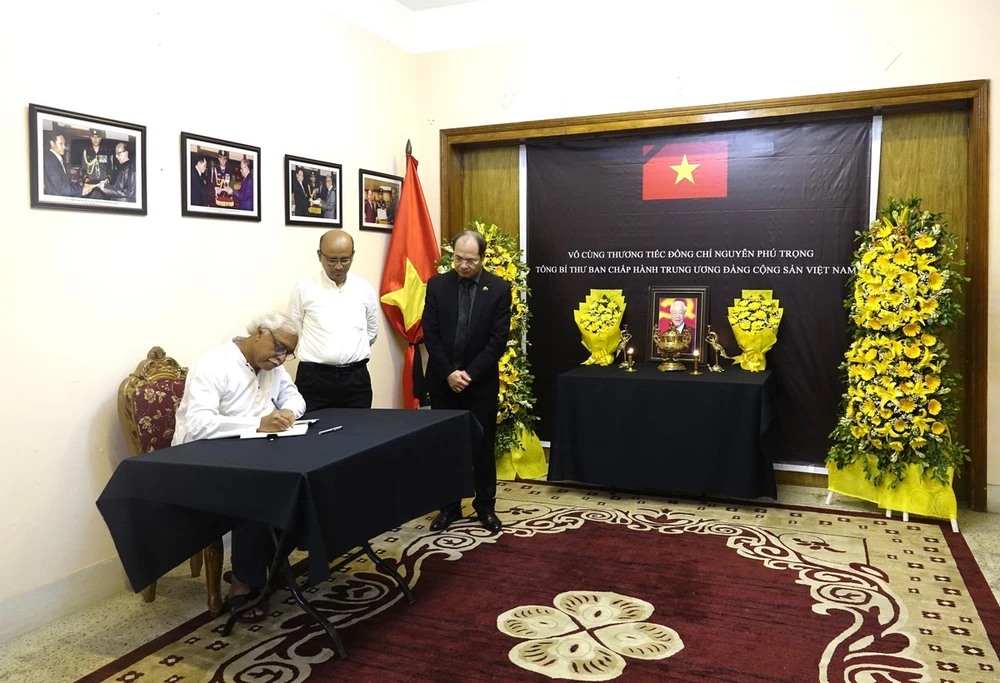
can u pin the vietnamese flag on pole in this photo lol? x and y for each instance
(409, 264)
(691, 170)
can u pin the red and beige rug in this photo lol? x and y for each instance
(588, 586)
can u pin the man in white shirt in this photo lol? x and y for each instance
(337, 312)
(239, 386)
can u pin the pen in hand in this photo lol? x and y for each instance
(332, 429)
(277, 409)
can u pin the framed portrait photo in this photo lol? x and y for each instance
(680, 308)
(379, 199)
(313, 193)
(219, 179)
(86, 163)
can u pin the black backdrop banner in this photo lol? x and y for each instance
(771, 207)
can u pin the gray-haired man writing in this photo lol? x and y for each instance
(238, 386)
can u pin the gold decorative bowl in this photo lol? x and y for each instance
(670, 344)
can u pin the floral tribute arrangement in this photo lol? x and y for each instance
(755, 317)
(900, 401)
(599, 318)
(517, 447)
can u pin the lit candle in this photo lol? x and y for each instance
(696, 354)
(630, 353)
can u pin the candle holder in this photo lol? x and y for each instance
(629, 362)
(696, 371)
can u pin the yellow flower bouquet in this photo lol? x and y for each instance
(755, 317)
(599, 318)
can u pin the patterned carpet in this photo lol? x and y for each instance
(588, 586)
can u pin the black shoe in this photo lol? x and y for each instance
(491, 521)
(445, 518)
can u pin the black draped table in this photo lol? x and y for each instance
(332, 491)
(666, 432)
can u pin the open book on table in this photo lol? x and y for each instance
(297, 429)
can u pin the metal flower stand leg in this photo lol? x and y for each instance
(906, 515)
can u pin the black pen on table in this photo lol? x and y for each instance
(332, 429)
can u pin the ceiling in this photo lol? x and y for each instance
(418, 5)
(420, 26)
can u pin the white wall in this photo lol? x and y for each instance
(86, 295)
(652, 54)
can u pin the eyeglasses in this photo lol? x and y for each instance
(467, 261)
(279, 348)
(345, 261)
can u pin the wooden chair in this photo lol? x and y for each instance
(147, 402)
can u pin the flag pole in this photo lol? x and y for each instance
(419, 391)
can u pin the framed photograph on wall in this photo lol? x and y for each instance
(313, 193)
(219, 179)
(379, 199)
(680, 308)
(86, 163)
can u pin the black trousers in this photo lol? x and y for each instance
(327, 386)
(252, 553)
(484, 465)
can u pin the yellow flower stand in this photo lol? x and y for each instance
(920, 495)
(526, 462)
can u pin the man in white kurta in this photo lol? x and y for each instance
(236, 387)
(225, 396)
(337, 312)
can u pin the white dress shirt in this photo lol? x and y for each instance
(339, 324)
(224, 396)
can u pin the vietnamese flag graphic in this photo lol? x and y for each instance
(692, 170)
(409, 264)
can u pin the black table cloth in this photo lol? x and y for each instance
(334, 491)
(667, 432)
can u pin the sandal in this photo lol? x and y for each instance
(233, 603)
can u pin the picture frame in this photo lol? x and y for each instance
(695, 312)
(378, 211)
(69, 172)
(309, 202)
(219, 178)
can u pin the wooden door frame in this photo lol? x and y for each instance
(973, 95)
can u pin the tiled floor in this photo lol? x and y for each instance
(76, 645)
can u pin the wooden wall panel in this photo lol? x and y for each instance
(490, 190)
(927, 154)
